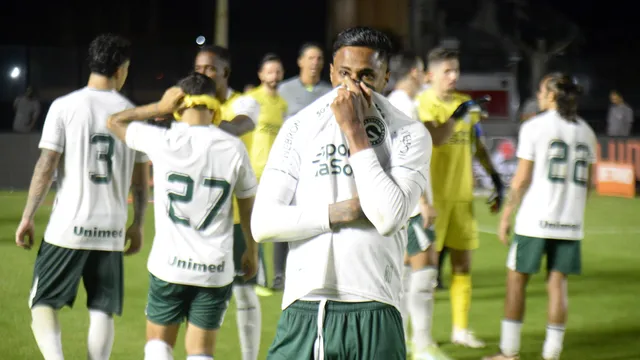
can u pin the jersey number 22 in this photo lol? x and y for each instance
(558, 163)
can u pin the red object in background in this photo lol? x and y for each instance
(499, 104)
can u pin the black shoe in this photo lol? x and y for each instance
(278, 283)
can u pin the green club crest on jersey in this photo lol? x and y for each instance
(375, 129)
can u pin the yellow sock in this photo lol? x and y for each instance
(460, 300)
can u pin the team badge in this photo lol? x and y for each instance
(375, 129)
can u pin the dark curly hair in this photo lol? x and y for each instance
(197, 84)
(107, 53)
(362, 36)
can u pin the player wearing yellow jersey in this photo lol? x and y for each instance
(238, 116)
(451, 117)
(215, 62)
(269, 109)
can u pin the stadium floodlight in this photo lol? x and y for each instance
(200, 40)
(15, 73)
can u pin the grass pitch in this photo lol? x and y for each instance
(604, 321)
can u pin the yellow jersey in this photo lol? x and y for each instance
(226, 108)
(271, 111)
(451, 163)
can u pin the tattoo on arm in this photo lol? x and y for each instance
(140, 192)
(140, 196)
(345, 212)
(514, 198)
(41, 181)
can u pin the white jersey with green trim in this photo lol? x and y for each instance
(94, 174)
(196, 169)
(561, 152)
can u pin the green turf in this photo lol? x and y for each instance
(604, 321)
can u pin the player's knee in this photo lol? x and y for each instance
(461, 261)
(424, 281)
(157, 350)
(246, 297)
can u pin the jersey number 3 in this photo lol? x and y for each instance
(558, 163)
(187, 196)
(103, 156)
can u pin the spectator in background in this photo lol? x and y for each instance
(27, 108)
(299, 92)
(620, 116)
(302, 90)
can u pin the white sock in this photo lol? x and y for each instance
(249, 319)
(101, 335)
(199, 357)
(510, 337)
(420, 301)
(404, 299)
(553, 342)
(46, 330)
(157, 350)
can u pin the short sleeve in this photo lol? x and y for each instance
(141, 158)
(248, 106)
(246, 184)
(526, 144)
(53, 132)
(144, 138)
(411, 155)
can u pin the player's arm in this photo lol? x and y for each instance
(274, 218)
(482, 154)
(440, 132)
(386, 199)
(52, 145)
(247, 111)
(519, 186)
(41, 182)
(119, 122)
(140, 190)
(524, 171)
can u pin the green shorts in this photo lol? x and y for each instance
(369, 330)
(169, 304)
(239, 248)
(526, 253)
(58, 271)
(419, 238)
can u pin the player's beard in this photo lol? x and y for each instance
(272, 84)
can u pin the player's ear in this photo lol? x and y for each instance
(227, 72)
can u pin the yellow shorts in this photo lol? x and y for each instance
(456, 226)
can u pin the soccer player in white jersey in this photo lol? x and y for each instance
(197, 167)
(85, 237)
(556, 151)
(420, 273)
(341, 181)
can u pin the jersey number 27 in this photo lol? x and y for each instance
(186, 197)
(558, 163)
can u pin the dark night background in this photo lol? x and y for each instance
(50, 39)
